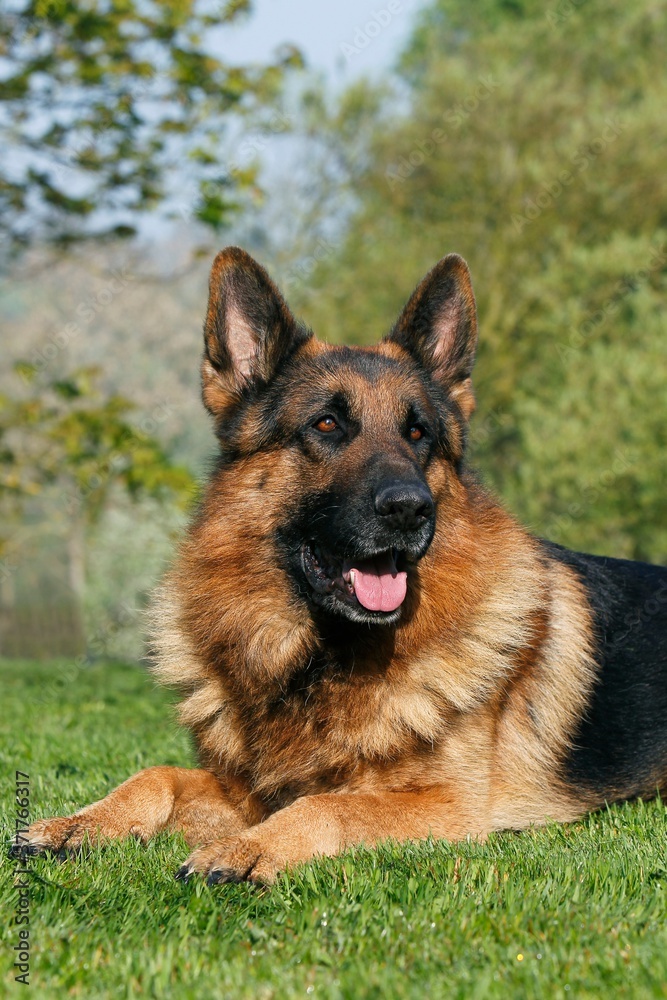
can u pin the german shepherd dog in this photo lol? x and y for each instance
(369, 646)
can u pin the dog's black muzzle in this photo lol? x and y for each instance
(349, 551)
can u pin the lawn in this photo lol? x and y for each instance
(577, 911)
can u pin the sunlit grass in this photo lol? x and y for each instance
(578, 911)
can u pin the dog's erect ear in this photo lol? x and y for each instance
(438, 326)
(248, 331)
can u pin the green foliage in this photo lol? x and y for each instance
(104, 103)
(67, 437)
(70, 454)
(446, 23)
(531, 141)
(573, 911)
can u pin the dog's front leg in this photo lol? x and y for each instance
(159, 798)
(325, 825)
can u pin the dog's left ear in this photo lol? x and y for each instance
(438, 326)
(249, 330)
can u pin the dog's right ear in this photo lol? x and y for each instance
(248, 330)
(438, 326)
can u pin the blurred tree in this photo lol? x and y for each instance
(532, 140)
(70, 447)
(106, 109)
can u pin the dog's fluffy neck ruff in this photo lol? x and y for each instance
(492, 613)
(259, 638)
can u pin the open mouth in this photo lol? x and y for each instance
(377, 584)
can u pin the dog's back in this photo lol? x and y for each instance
(619, 748)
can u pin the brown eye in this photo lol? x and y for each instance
(416, 432)
(326, 425)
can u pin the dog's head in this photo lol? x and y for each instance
(360, 446)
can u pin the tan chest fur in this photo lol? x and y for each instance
(481, 706)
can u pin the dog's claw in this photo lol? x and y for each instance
(227, 875)
(183, 873)
(21, 851)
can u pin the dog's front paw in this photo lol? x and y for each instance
(66, 835)
(243, 858)
(61, 835)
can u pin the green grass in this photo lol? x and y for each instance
(585, 905)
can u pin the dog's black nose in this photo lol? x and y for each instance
(405, 506)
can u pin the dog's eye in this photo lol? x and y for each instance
(415, 432)
(326, 425)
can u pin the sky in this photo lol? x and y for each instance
(344, 38)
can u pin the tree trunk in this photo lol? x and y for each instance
(7, 601)
(76, 557)
(76, 553)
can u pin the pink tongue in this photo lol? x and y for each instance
(378, 585)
